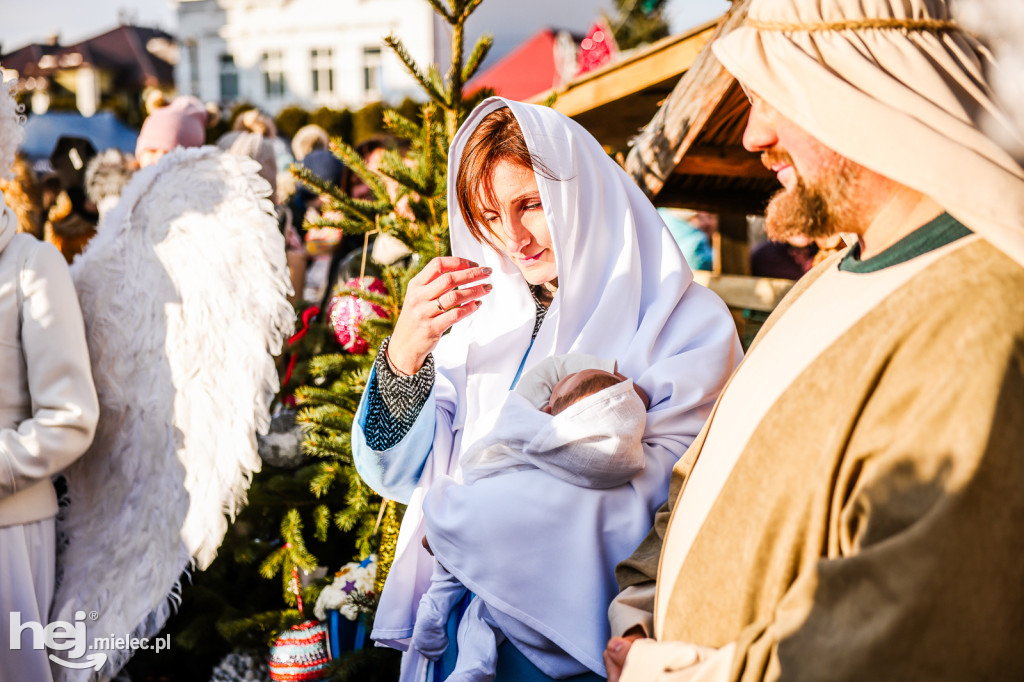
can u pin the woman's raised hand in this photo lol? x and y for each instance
(437, 298)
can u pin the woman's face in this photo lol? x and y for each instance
(517, 218)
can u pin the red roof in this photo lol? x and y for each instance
(526, 71)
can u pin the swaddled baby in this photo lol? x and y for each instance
(572, 416)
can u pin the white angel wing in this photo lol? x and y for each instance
(183, 293)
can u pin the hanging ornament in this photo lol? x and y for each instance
(300, 654)
(282, 446)
(348, 312)
(597, 49)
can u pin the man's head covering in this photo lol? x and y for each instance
(1000, 24)
(182, 123)
(895, 86)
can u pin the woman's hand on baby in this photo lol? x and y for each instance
(437, 298)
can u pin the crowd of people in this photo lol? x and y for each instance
(599, 485)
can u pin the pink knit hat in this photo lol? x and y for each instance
(182, 123)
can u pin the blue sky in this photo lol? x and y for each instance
(74, 20)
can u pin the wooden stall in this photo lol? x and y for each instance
(616, 101)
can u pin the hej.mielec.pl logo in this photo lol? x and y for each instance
(68, 637)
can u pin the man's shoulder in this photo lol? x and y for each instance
(962, 312)
(976, 281)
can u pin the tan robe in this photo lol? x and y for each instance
(872, 526)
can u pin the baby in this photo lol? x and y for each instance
(572, 416)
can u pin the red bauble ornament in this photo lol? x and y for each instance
(348, 312)
(597, 49)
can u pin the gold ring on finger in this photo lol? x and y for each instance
(439, 306)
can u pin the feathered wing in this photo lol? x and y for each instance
(183, 291)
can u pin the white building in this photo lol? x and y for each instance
(313, 53)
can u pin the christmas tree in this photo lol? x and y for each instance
(407, 205)
(638, 22)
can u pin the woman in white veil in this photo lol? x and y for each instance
(555, 250)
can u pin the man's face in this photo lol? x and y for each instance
(819, 195)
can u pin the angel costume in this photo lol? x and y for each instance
(183, 291)
(625, 293)
(853, 510)
(595, 443)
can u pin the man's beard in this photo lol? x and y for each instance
(817, 210)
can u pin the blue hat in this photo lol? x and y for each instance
(324, 164)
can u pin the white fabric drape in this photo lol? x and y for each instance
(594, 443)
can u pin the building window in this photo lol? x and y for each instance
(228, 78)
(273, 73)
(323, 72)
(192, 50)
(372, 71)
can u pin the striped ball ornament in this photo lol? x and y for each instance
(300, 653)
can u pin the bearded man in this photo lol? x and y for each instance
(854, 507)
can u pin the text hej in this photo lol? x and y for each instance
(62, 636)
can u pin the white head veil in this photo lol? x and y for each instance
(895, 86)
(625, 293)
(621, 282)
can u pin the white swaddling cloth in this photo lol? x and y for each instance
(594, 443)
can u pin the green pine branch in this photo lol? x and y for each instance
(425, 80)
(477, 56)
(442, 10)
(354, 161)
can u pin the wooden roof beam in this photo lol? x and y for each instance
(742, 201)
(669, 135)
(730, 162)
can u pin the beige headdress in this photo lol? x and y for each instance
(896, 86)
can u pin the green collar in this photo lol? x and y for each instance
(943, 230)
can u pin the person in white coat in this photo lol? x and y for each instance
(48, 414)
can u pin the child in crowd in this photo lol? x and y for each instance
(572, 416)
